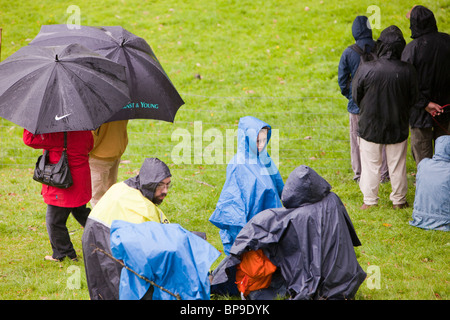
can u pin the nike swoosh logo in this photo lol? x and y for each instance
(62, 117)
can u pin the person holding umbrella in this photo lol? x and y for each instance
(50, 91)
(62, 202)
(152, 93)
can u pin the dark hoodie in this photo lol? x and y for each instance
(385, 90)
(310, 241)
(350, 59)
(429, 52)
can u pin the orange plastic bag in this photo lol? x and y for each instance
(254, 272)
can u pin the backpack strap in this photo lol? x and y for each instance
(357, 49)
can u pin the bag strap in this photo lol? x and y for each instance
(65, 141)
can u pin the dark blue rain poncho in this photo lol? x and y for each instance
(432, 198)
(166, 254)
(310, 241)
(253, 184)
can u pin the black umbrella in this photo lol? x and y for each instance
(153, 96)
(60, 88)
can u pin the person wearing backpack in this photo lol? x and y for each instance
(361, 50)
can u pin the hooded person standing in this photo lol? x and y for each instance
(429, 52)
(432, 201)
(253, 182)
(310, 242)
(385, 90)
(351, 57)
(134, 200)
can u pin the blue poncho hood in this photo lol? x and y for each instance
(253, 183)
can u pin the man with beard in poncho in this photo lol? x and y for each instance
(310, 242)
(253, 182)
(134, 200)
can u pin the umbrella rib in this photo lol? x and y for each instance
(87, 86)
(154, 64)
(18, 80)
(36, 71)
(52, 74)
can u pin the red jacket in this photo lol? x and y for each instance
(79, 144)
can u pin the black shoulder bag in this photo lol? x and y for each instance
(55, 175)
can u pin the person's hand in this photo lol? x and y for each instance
(434, 109)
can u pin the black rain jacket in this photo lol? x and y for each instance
(429, 52)
(385, 90)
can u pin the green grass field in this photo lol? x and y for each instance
(275, 60)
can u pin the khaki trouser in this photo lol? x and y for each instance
(371, 159)
(103, 176)
(355, 157)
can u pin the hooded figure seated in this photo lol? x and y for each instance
(303, 251)
(253, 182)
(432, 198)
(134, 200)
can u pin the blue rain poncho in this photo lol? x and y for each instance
(432, 198)
(166, 254)
(253, 183)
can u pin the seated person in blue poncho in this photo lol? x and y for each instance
(253, 182)
(432, 199)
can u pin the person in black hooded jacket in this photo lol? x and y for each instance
(385, 90)
(348, 64)
(429, 52)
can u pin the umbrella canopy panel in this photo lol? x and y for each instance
(60, 88)
(153, 95)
